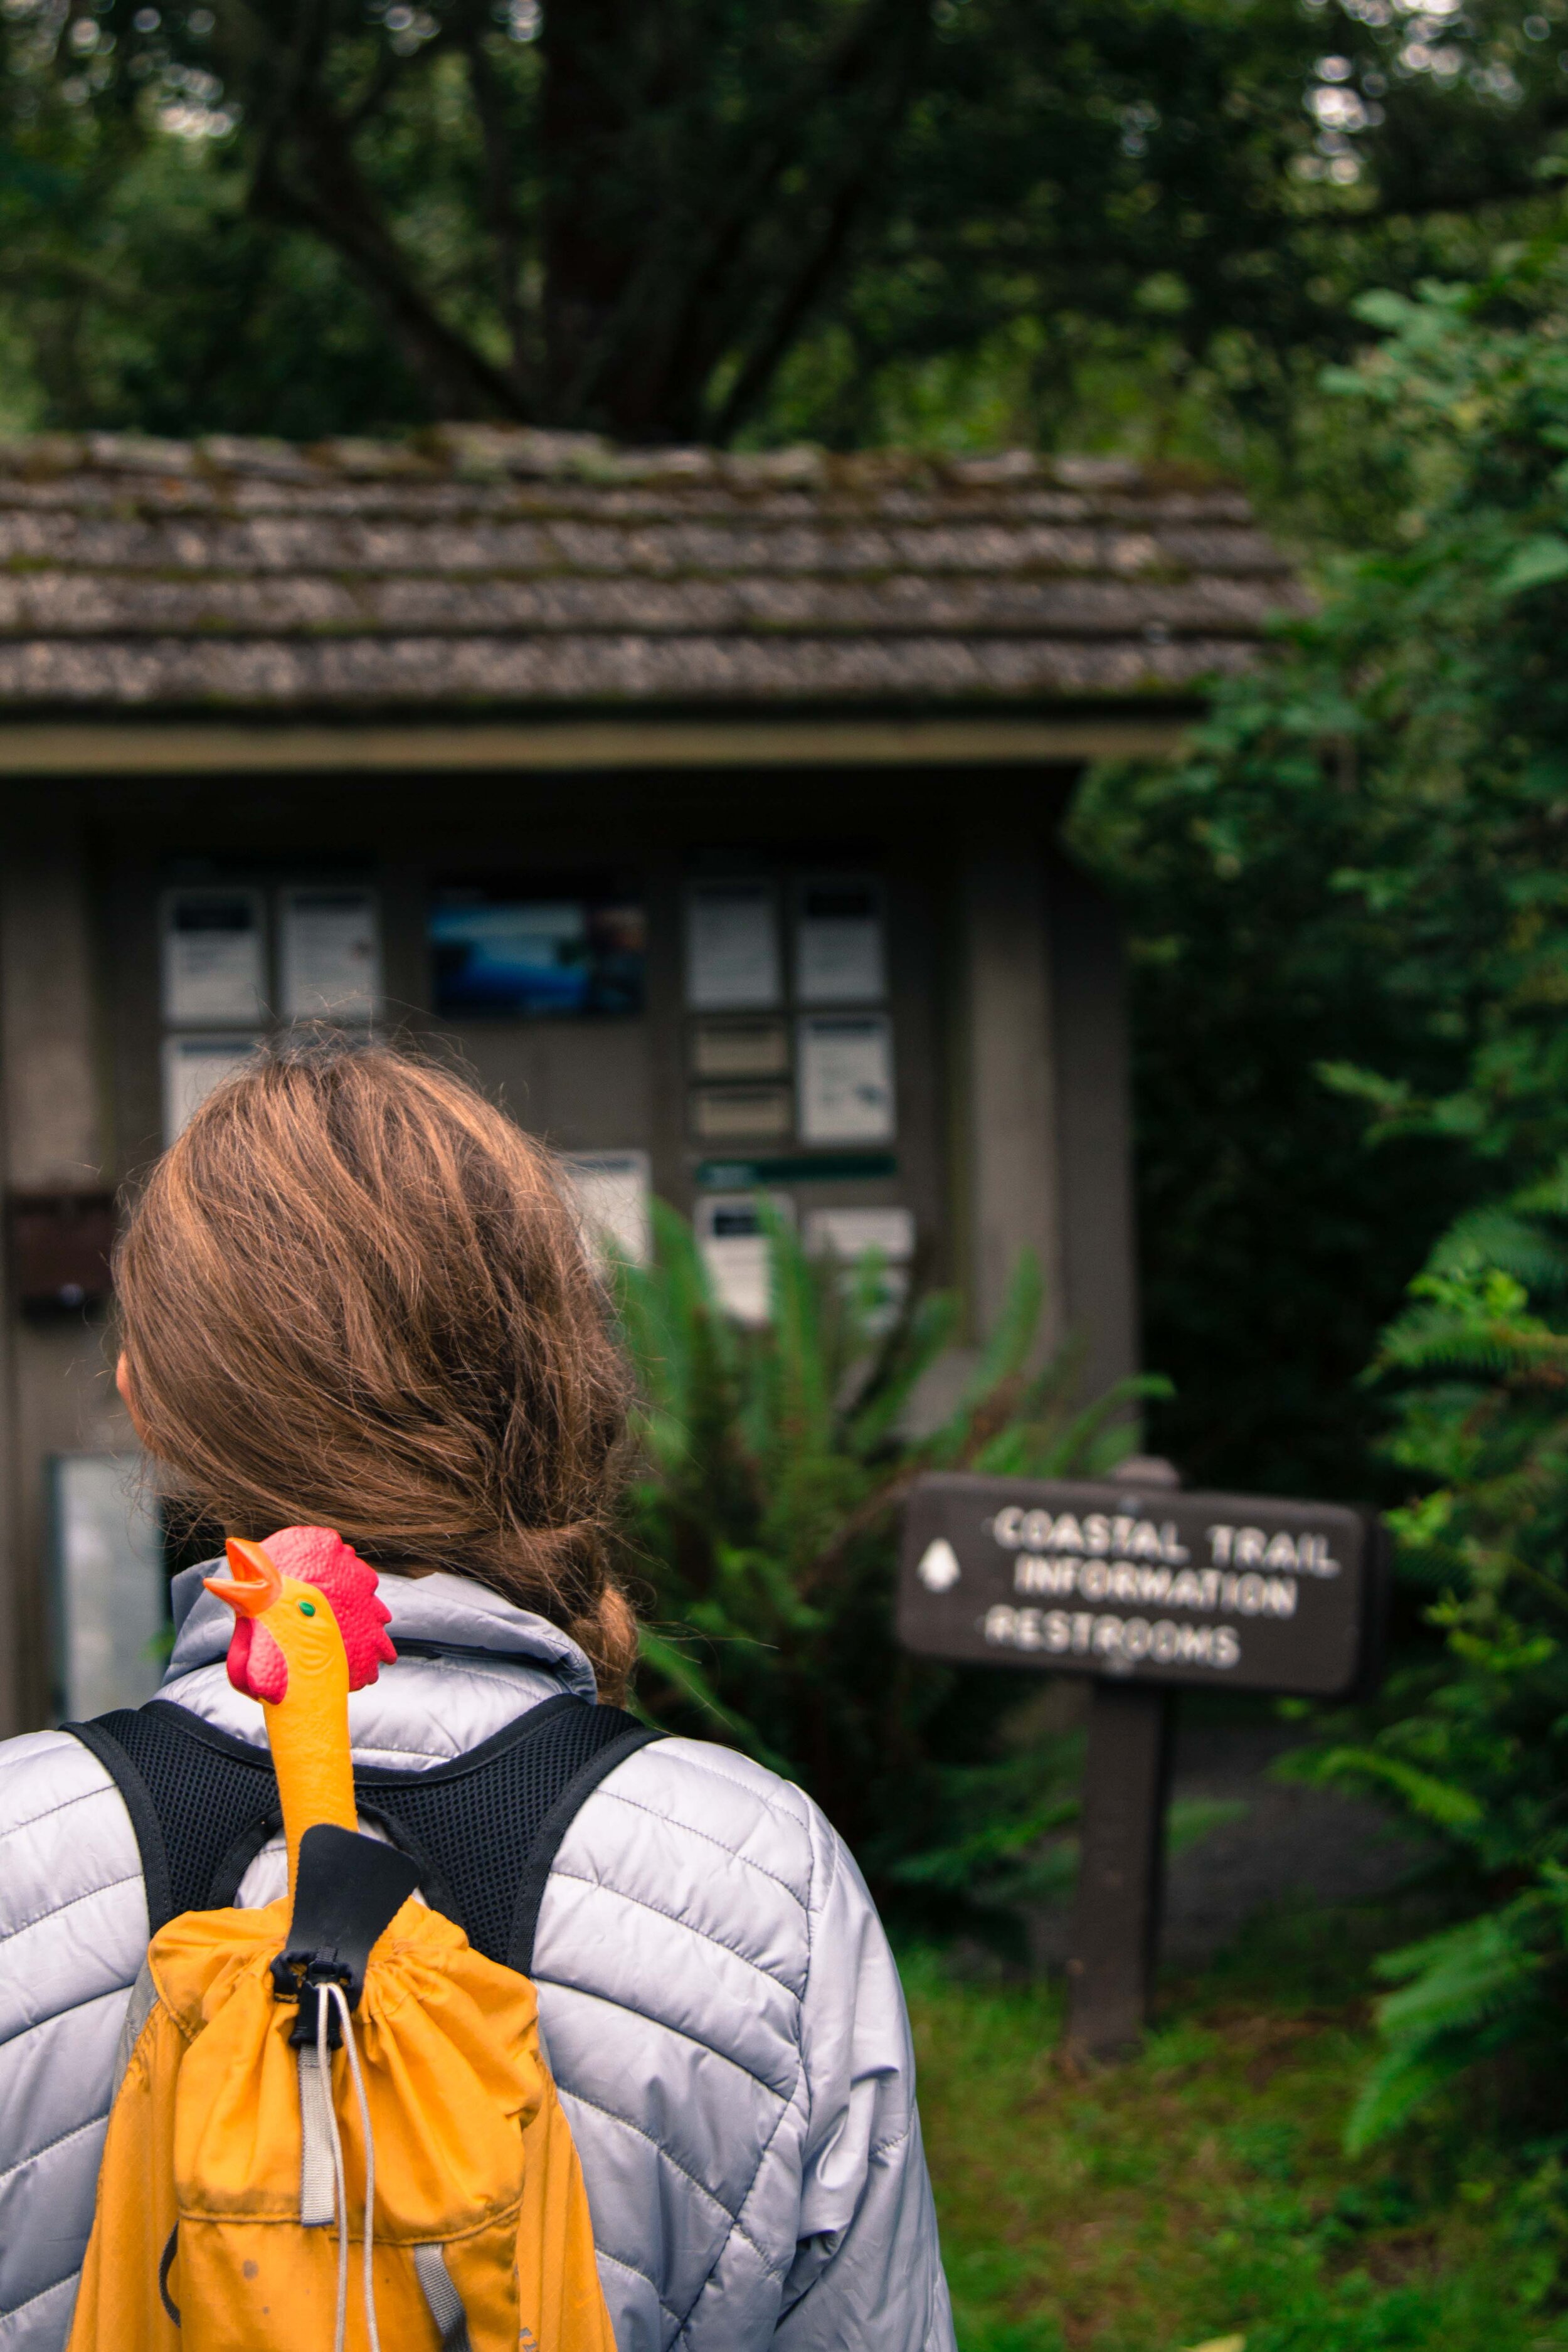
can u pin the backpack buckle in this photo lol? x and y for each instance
(347, 1890)
(302, 1977)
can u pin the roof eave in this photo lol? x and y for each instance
(107, 743)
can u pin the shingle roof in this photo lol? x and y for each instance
(480, 567)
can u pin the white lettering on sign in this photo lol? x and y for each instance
(1120, 1641)
(1251, 1595)
(1250, 1547)
(1093, 1536)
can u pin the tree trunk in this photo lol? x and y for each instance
(595, 83)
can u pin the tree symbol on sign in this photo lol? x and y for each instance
(937, 1568)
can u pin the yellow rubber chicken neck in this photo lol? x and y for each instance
(298, 1669)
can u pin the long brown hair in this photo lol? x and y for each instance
(352, 1293)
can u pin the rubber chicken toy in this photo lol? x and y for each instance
(336, 2079)
(309, 1628)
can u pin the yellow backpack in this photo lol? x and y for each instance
(335, 2124)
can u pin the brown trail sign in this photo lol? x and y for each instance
(1146, 1589)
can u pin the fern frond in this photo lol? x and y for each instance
(1397, 2086)
(908, 1353)
(673, 1664)
(1442, 1802)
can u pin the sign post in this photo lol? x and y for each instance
(1148, 1591)
(1121, 1866)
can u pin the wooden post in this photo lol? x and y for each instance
(1116, 1916)
(987, 1570)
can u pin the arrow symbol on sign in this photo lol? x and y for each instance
(938, 1568)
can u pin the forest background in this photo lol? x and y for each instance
(1321, 245)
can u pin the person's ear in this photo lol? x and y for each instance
(123, 1382)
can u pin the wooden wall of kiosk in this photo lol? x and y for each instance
(1006, 987)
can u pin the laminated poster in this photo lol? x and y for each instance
(740, 1049)
(110, 1583)
(839, 956)
(734, 1114)
(213, 957)
(848, 1233)
(731, 947)
(845, 1068)
(613, 1189)
(735, 1253)
(330, 951)
(193, 1067)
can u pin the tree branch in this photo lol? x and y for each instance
(333, 201)
(678, 351)
(499, 205)
(817, 265)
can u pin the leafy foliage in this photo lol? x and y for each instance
(703, 218)
(1479, 1751)
(1415, 730)
(765, 1520)
(1357, 875)
(1272, 1247)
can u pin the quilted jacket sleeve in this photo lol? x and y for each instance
(868, 2270)
(73, 1928)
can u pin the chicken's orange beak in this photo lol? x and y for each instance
(252, 1585)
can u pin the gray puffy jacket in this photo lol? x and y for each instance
(721, 2008)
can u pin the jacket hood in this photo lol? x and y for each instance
(449, 1615)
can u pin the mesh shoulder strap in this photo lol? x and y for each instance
(485, 1828)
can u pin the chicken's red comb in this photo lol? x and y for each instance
(319, 1556)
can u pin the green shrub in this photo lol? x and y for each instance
(764, 1520)
(1479, 1749)
(1403, 764)
(1356, 872)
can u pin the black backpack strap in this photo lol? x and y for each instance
(192, 1796)
(485, 1829)
(99, 1738)
(492, 1821)
(586, 1771)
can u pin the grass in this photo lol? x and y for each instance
(1198, 2195)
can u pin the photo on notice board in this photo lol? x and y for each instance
(523, 954)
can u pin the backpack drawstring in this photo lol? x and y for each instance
(323, 2059)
